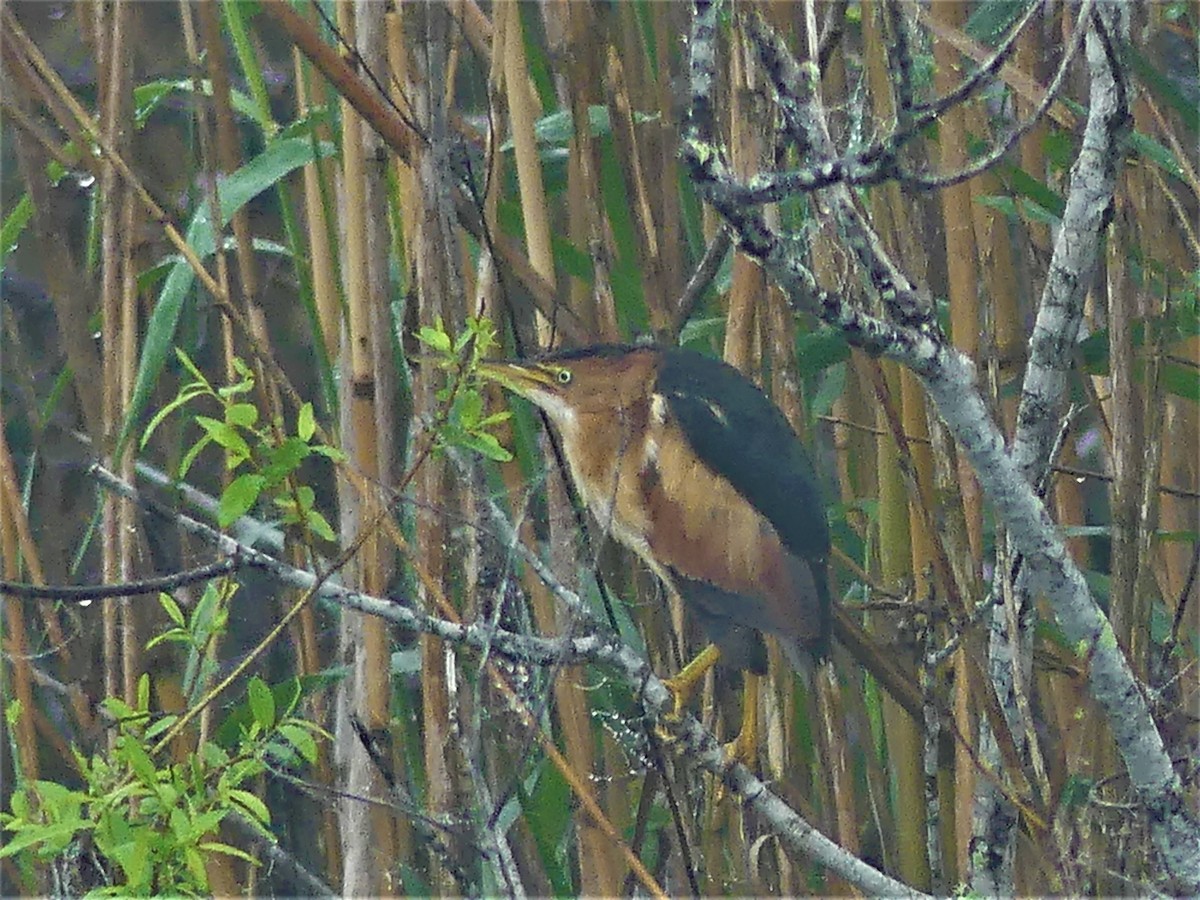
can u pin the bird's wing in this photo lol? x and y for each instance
(739, 435)
(742, 436)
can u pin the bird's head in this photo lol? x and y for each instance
(565, 385)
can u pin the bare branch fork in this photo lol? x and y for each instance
(909, 334)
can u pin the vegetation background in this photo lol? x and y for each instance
(521, 166)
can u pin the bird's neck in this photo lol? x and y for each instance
(606, 450)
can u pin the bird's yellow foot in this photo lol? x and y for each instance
(744, 748)
(681, 694)
(683, 685)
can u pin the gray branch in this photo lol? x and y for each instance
(697, 744)
(950, 379)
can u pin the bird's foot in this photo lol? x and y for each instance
(742, 749)
(680, 696)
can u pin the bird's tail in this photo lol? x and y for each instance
(804, 659)
(807, 656)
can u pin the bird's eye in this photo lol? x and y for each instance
(564, 376)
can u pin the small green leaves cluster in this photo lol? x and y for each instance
(199, 632)
(155, 823)
(464, 422)
(265, 461)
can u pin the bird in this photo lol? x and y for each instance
(686, 462)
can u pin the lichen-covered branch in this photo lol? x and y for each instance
(909, 336)
(697, 744)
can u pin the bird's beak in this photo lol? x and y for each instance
(522, 380)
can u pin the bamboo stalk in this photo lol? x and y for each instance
(13, 523)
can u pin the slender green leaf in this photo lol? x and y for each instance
(486, 445)
(218, 847)
(257, 810)
(174, 613)
(262, 703)
(148, 97)
(185, 396)
(13, 226)
(190, 457)
(55, 836)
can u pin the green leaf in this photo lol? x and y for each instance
(244, 415)
(547, 810)
(1025, 185)
(991, 21)
(205, 823)
(14, 225)
(1163, 86)
(306, 423)
(237, 499)
(1076, 791)
(226, 436)
(701, 331)
(1182, 381)
(174, 636)
(194, 451)
(55, 836)
(134, 858)
(818, 350)
(218, 847)
(486, 445)
(195, 866)
(135, 755)
(174, 613)
(280, 157)
(193, 369)
(332, 453)
(234, 17)
(319, 525)
(160, 726)
(148, 97)
(186, 395)
(12, 713)
(299, 738)
(495, 418)
(143, 692)
(284, 459)
(468, 407)
(262, 703)
(435, 338)
(831, 388)
(256, 809)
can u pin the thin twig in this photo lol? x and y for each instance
(84, 594)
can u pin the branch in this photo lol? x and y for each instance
(695, 742)
(950, 379)
(87, 593)
(1006, 143)
(1088, 208)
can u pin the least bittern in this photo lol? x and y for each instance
(684, 461)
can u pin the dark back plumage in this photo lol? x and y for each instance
(742, 436)
(739, 434)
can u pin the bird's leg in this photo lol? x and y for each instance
(683, 685)
(744, 747)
